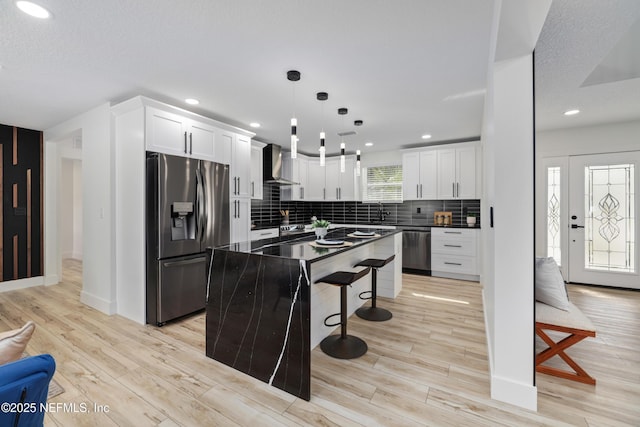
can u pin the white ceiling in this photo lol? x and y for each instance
(405, 67)
(588, 58)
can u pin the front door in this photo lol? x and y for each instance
(603, 219)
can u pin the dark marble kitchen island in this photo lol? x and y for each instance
(264, 313)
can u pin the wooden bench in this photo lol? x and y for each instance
(572, 322)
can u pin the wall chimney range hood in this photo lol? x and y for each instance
(272, 166)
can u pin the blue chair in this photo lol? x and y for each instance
(24, 384)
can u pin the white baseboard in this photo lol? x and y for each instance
(515, 393)
(100, 304)
(12, 285)
(51, 279)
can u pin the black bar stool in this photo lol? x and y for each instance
(373, 313)
(343, 346)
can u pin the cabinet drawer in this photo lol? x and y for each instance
(266, 233)
(454, 264)
(456, 246)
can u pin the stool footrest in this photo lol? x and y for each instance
(365, 292)
(329, 317)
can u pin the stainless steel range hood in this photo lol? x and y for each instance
(272, 166)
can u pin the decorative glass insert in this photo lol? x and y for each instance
(553, 213)
(609, 218)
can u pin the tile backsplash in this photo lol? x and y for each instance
(417, 212)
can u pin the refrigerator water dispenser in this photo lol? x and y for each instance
(183, 221)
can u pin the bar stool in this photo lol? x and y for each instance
(343, 346)
(373, 313)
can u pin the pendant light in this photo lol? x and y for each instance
(294, 76)
(342, 112)
(322, 96)
(358, 169)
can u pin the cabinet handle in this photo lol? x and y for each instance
(457, 189)
(453, 246)
(453, 232)
(238, 186)
(185, 142)
(421, 191)
(417, 191)
(253, 189)
(324, 194)
(301, 192)
(452, 263)
(453, 189)
(265, 234)
(190, 143)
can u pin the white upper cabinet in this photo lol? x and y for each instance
(327, 183)
(240, 170)
(457, 173)
(296, 170)
(166, 132)
(256, 170)
(202, 141)
(315, 181)
(173, 133)
(419, 175)
(440, 173)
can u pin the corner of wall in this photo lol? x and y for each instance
(515, 393)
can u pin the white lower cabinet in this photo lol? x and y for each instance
(454, 253)
(265, 233)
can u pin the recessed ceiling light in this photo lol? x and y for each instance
(254, 124)
(368, 144)
(426, 136)
(192, 101)
(571, 112)
(33, 9)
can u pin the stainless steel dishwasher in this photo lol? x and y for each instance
(416, 250)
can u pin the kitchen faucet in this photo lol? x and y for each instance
(381, 212)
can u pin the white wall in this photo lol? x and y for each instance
(507, 141)
(97, 219)
(66, 208)
(596, 139)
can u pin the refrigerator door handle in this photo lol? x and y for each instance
(183, 262)
(204, 204)
(199, 206)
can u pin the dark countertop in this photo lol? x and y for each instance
(298, 247)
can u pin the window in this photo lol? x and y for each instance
(382, 183)
(553, 214)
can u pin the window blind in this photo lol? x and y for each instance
(382, 183)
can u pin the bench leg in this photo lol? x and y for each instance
(558, 348)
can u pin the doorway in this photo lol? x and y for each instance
(69, 202)
(592, 218)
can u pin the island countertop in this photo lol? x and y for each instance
(266, 307)
(299, 246)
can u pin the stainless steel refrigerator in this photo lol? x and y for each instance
(187, 210)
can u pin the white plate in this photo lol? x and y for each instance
(364, 233)
(329, 242)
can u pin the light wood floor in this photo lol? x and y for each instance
(427, 366)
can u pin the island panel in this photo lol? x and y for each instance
(258, 318)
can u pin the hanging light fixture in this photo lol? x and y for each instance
(357, 162)
(343, 112)
(322, 96)
(294, 76)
